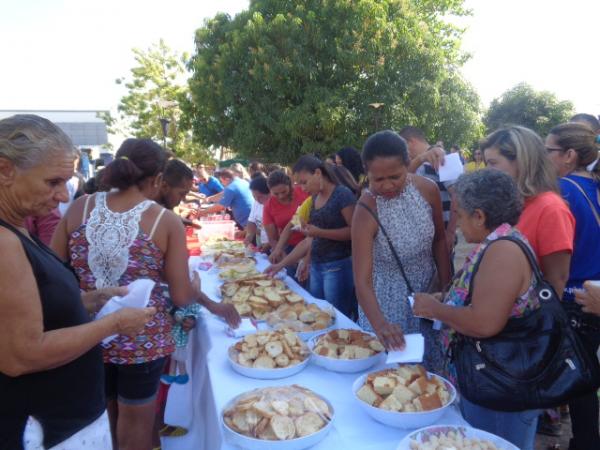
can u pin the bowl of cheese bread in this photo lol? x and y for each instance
(405, 396)
(346, 350)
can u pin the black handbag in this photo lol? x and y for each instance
(535, 362)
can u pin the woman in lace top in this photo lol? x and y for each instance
(409, 209)
(112, 239)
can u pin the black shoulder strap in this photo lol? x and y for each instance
(528, 253)
(389, 241)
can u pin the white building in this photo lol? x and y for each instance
(85, 128)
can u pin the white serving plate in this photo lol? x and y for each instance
(307, 335)
(266, 374)
(405, 420)
(344, 365)
(468, 432)
(245, 442)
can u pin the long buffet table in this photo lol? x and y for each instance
(198, 404)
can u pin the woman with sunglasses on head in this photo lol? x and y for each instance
(573, 149)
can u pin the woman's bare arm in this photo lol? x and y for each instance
(24, 345)
(504, 274)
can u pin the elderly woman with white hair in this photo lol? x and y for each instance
(50, 362)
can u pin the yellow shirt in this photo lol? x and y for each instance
(474, 166)
(303, 212)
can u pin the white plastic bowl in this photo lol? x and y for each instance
(468, 432)
(344, 365)
(245, 442)
(405, 420)
(266, 374)
(307, 335)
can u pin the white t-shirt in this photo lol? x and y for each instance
(256, 217)
(72, 187)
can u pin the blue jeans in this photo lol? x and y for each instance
(517, 428)
(334, 282)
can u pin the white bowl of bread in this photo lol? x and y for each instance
(453, 437)
(239, 271)
(405, 396)
(217, 245)
(306, 319)
(224, 260)
(346, 350)
(277, 418)
(269, 355)
(258, 295)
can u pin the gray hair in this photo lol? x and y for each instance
(494, 193)
(27, 140)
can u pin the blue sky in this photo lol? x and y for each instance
(66, 54)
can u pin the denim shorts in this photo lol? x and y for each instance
(133, 384)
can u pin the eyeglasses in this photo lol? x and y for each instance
(554, 149)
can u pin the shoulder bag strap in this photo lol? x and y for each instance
(389, 241)
(592, 207)
(530, 257)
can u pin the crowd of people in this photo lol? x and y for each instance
(367, 231)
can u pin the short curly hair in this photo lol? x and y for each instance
(494, 193)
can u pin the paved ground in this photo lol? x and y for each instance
(462, 250)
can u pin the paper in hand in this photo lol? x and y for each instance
(138, 296)
(413, 352)
(452, 168)
(247, 326)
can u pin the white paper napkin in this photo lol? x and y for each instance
(413, 353)
(138, 296)
(452, 168)
(246, 327)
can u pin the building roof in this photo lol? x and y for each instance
(84, 128)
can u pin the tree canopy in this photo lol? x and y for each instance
(156, 89)
(286, 78)
(522, 105)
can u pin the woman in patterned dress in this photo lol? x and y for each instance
(112, 239)
(409, 208)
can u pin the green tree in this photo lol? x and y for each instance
(156, 89)
(287, 78)
(522, 105)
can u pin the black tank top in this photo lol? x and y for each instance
(65, 399)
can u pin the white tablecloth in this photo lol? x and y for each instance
(210, 389)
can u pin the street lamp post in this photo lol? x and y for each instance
(378, 108)
(164, 125)
(164, 106)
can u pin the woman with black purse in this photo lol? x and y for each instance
(512, 350)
